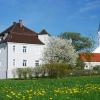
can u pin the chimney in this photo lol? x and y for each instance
(21, 23)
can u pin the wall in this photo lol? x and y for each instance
(90, 65)
(33, 53)
(3, 60)
(44, 38)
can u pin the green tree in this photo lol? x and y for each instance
(78, 41)
(81, 44)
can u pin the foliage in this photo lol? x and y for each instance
(97, 68)
(70, 88)
(57, 69)
(60, 51)
(80, 42)
(78, 72)
(79, 64)
(37, 71)
(29, 72)
(19, 72)
(24, 73)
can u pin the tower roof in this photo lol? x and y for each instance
(20, 34)
(99, 27)
(43, 32)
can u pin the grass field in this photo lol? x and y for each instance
(70, 88)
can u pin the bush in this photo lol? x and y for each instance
(37, 71)
(97, 68)
(77, 72)
(79, 64)
(24, 73)
(19, 72)
(30, 72)
(57, 69)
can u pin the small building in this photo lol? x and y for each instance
(20, 47)
(93, 59)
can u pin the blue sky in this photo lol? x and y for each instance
(55, 16)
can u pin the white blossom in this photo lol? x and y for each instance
(60, 50)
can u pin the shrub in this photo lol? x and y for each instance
(97, 68)
(37, 71)
(57, 69)
(79, 64)
(19, 72)
(77, 72)
(24, 73)
(30, 72)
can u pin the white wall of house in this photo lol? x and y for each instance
(44, 38)
(3, 60)
(12, 56)
(91, 65)
(16, 56)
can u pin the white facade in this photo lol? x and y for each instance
(3, 60)
(17, 58)
(91, 65)
(20, 55)
(44, 38)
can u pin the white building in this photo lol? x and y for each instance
(20, 47)
(94, 59)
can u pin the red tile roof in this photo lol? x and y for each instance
(20, 34)
(93, 57)
(23, 39)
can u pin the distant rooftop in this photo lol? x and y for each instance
(43, 32)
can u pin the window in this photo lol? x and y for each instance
(13, 62)
(14, 48)
(24, 48)
(24, 62)
(36, 63)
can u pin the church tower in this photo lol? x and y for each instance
(99, 34)
(97, 50)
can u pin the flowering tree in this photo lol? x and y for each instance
(60, 51)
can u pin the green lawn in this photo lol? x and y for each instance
(70, 88)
